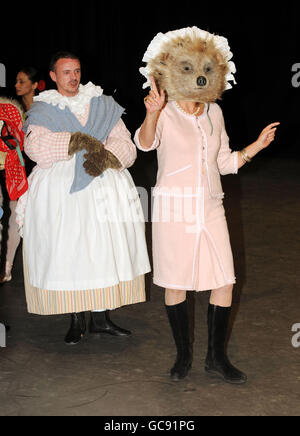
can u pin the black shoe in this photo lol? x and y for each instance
(181, 369)
(179, 322)
(217, 362)
(101, 323)
(77, 329)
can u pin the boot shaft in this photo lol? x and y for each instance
(179, 321)
(218, 323)
(217, 362)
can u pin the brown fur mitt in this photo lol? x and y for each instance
(98, 162)
(81, 141)
(98, 159)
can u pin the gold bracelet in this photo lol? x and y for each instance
(245, 156)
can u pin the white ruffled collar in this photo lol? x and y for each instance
(77, 104)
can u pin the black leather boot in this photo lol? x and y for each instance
(179, 321)
(217, 362)
(77, 329)
(101, 323)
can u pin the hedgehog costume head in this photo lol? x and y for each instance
(190, 64)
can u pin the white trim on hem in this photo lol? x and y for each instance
(190, 288)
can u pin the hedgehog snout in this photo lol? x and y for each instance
(202, 81)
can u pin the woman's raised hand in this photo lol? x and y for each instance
(155, 101)
(267, 136)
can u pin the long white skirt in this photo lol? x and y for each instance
(88, 240)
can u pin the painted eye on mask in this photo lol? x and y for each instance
(207, 69)
(187, 68)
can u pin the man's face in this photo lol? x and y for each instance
(67, 76)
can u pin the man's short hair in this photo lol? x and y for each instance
(61, 55)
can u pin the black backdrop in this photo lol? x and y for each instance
(111, 38)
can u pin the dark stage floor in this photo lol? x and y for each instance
(105, 376)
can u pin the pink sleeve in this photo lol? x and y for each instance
(227, 159)
(154, 146)
(45, 147)
(119, 143)
(157, 139)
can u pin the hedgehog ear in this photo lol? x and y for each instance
(164, 58)
(204, 46)
(219, 58)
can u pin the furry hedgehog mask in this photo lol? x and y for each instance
(190, 64)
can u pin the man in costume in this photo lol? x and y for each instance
(81, 219)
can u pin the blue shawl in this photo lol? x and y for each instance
(104, 115)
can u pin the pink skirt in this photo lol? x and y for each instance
(191, 244)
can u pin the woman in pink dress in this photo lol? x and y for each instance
(191, 245)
